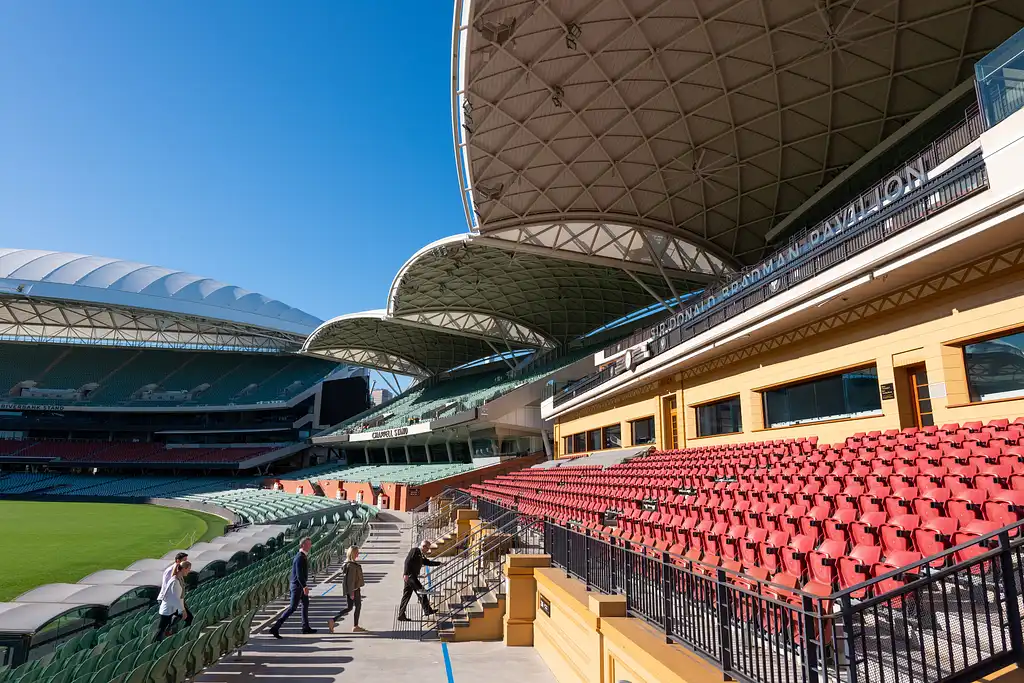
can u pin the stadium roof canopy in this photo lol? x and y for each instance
(371, 339)
(467, 297)
(534, 295)
(708, 120)
(54, 296)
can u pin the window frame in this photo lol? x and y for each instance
(764, 391)
(991, 336)
(706, 404)
(604, 436)
(654, 430)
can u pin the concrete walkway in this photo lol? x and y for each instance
(383, 654)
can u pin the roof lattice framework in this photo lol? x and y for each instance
(708, 119)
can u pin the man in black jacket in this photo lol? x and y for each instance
(414, 563)
(299, 590)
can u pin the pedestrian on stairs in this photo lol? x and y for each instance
(352, 581)
(299, 590)
(414, 563)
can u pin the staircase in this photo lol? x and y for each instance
(468, 591)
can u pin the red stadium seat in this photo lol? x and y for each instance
(935, 536)
(966, 504)
(823, 561)
(932, 503)
(898, 533)
(858, 566)
(1004, 507)
(867, 529)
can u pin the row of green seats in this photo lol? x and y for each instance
(223, 611)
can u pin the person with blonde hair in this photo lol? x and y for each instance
(352, 581)
(172, 600)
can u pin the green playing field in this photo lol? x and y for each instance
(43, 542)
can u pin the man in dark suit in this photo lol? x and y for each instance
(299, 590)
(414, 563)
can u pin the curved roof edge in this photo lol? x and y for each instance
(373, 358)
(394, 344)
(106, 281)
(411, 261)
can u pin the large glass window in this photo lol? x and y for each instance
(643, 431)
(594, 440)
(579, 442)
(566, 445)
(720, 417)
(995, 368)
(844, 395)
(612, 436)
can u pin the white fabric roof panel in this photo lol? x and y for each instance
(95, 279)
(709, 119)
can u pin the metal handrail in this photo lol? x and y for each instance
(476, 563)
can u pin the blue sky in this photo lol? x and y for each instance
(298, 149)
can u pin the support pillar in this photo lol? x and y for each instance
(521, 597)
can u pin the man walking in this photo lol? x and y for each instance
(414, 563)
(299, 590)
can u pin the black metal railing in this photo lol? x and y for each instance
(954, 616)
(434, 518)
(916, 624)
(476, 571)
(964, 180)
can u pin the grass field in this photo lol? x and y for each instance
(57, 542)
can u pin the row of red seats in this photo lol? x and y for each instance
(803, 515)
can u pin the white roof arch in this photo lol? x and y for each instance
(105, 281)
(376, 340)
(544, 285)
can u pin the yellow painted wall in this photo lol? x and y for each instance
(588, 639)
(913, 331)
(634, 404)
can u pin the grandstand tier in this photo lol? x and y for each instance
(78, 375)
(795, 512)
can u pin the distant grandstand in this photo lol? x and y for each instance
(107, 365)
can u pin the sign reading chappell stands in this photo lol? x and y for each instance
(394, 432)
(906, 180)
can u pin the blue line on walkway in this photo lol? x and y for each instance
(333, 586)
(447, 663)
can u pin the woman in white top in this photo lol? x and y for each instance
(172, 602)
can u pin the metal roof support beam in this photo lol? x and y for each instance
(649, 290)
(408, 320)
(501, 355)
(657, 261)
(519, 247)
(393, 387)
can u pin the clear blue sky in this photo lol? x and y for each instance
(298, 149)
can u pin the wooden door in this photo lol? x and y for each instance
(921, 398)
(670, 418)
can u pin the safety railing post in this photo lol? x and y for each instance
(1010, 595)
(666, 595)
(810, 643)
(586, 560)
(848, 640)
(724, 632)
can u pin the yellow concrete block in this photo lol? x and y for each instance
(518, 632)
(528, 561)
(607, 605)
(466, 515)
